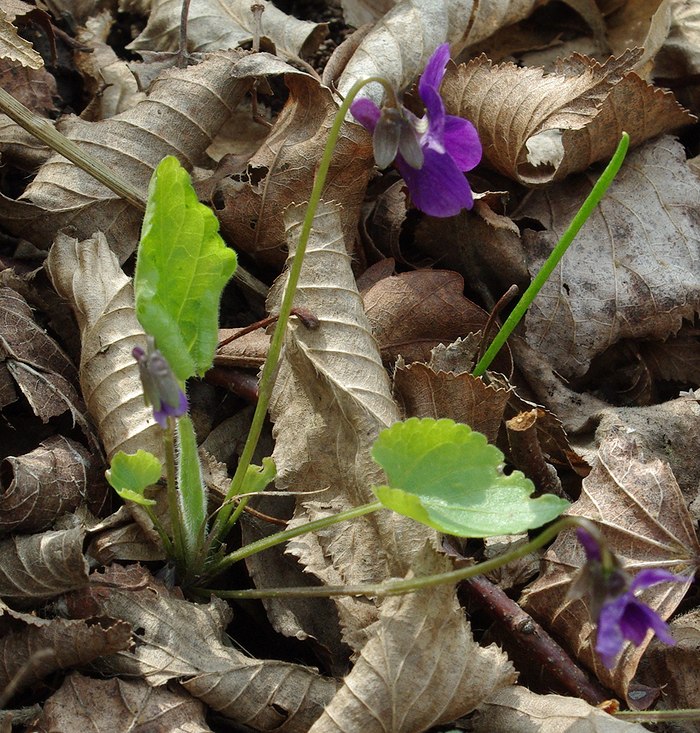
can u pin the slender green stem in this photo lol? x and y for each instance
(176, 519)
(158, 526)
(529, 295)
(222, 523)
(409, 585)
(657, 716)
(279, 537)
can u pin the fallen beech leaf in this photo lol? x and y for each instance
(41, 486)
(408, 678)
(643, 239)
(642, 24)
(214, 25)
(184, 641)
(516, 709)
(13, 46)
(34, 568)
(399, 45)
(251, 204)
(640, 511)
(39, 647)
(425, 392)
(120, 706)
(87, 274)
(183, 112)
(538, 127)
(413, 312)
(359, 12)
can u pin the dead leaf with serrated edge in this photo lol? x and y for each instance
(538, 127)
(88, 276)
(640, 511)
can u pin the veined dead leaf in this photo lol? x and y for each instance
(13, 46)
(184, 641)
(640, 511)
(633, 271)
(216, 25)
(401, 42)
(539, 127)
(183, 112)
(88, 276)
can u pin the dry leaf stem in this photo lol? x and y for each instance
(592, 200)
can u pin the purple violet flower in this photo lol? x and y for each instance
(160, 386)
(431, 153)
(620, 615)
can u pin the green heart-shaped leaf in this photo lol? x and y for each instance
(444, 474)
(130, 474)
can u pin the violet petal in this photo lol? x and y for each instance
(462, 143)
(366, 112)
(434, 70)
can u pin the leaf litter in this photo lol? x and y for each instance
(604, 353)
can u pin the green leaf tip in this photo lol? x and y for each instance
(447, 476)
(181, 270)
(130, 474)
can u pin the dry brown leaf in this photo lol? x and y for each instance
(184, 641)
(13, 46)
(633, 271)
(215, 25)
(425, 392)
(359, 12)
(537, 127)
(39, 647)
(413, 312)
(640, 24)
(518, 710)
(399, 45)
(250, 205)
(408, 677)
(183, 112)
(39, 487)
(640, 511)
(120, 706)
(678, 667)
(34, 568)
(88, 276)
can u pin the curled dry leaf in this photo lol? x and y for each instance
(538, 127)
(34, 568)
(401, 42)
(35, 648)
(88, 276)
(250, 205)
(13, 46)
(120, 706)
(644, 241)
(359, 12)
(515, 708)
(640, 511)
(185, 641)
(183, 112)
(408, 677)
(41, 486)
(217, 25)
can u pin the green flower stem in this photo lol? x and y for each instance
(593, 199)
(176, 520)
(158, 526)
(223, 522)
(399, 587)
(279, 537)
(657, 716)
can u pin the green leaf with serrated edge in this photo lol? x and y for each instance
(181, 269)
(191, 489)
(130, 474)
(446, 475)
(258, 477)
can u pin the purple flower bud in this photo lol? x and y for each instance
(431, 154)
(161, 389)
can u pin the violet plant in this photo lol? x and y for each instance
(455, 484)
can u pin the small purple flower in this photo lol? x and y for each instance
(160, 387)
(432, 153)
(619, 613)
